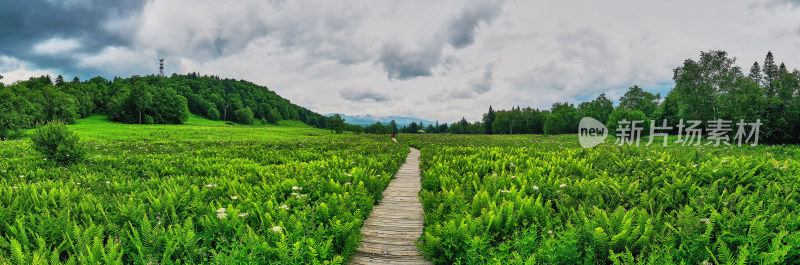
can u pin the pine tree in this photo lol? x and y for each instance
(488, 119)
(59, 80)
(755, 72)
(393, 124)
(770, 73)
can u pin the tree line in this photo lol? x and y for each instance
(147, 100)
(709, 88)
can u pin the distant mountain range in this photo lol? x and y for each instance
(369, 119)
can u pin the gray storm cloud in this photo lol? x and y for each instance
(403, 63)
(363, 94)
(49, 32)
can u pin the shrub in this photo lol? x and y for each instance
(58, 143)
(212, 113)
(9, 130)
(273, 116)
(244, 116)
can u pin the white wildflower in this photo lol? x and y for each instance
(285, 207)
(211, 186)
(535, 187)
(704, 220)
(715, 170)
(15, 187)
(297, 188)
(244, 215)
(563, 185)
(277, 229)
(504, 191)
(348, 174)
(108, 182)
(234, 197)
(22, 176)
(550, 232)
(513, 177)
(222, 213)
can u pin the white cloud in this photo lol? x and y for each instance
(56, 46)
(14, 70)
(121, 61)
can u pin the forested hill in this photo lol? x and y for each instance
(144, 100)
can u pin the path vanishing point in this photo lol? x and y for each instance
(394, 225)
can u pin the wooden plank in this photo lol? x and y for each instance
(390, 232)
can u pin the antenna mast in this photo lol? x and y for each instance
(161, 67)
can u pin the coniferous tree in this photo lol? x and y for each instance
(488, 120)
(770, 73)
(755, 72)
(393, 124)
(59, 81)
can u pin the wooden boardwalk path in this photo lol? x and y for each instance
(396, 222)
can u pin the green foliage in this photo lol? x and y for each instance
(273, 116)
(336, 123)
(143, 100)
(144, 103)
(599, 108)
(638, 99)
(709, 88)
(713, 87)
(58, 143)
(212, 113)
(518, 121)
(563, 119)
(244, 116)
(537, 199)
(378, 128)
(155, 194)
(32, 102)
(621, 114)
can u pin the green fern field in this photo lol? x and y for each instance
(207, 192)
(203, 192)
(546, 200)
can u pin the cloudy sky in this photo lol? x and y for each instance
(436, 60)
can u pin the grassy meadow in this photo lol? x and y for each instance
(202, 192)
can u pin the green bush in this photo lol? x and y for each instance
(9, 131)
(213, 114)
(58, 143)
(244, 116)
